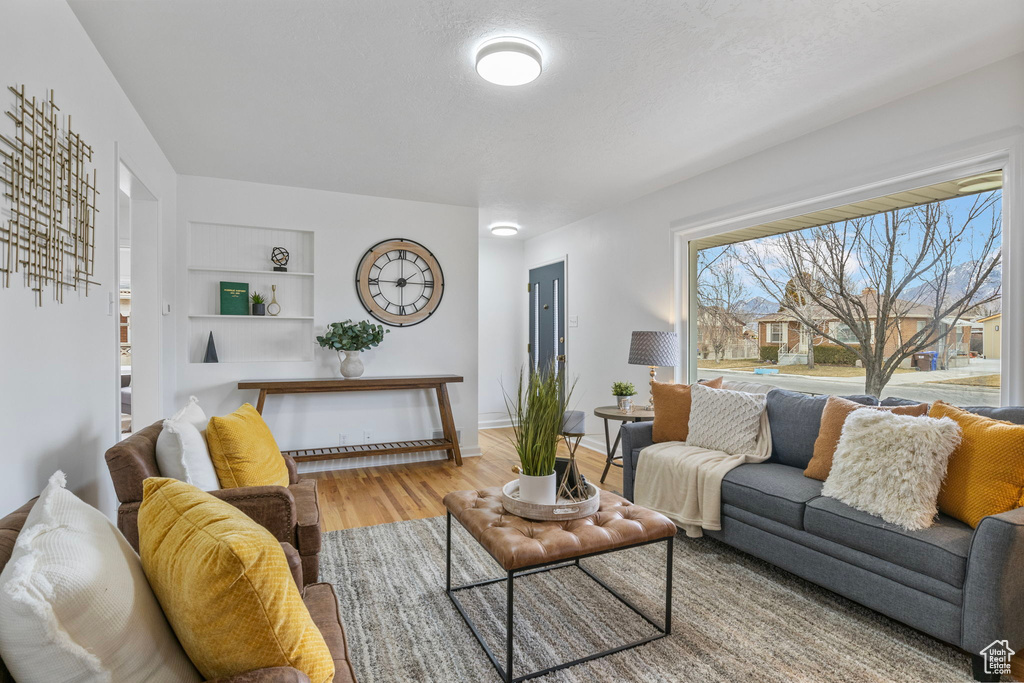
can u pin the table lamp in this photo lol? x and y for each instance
(654, 349)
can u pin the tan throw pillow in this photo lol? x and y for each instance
(833, 417)
(672, 409)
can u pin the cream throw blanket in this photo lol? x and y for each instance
(684, 483)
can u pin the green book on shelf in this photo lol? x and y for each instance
(234, 298)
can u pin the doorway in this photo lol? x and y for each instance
(136, 304)
(547, 317)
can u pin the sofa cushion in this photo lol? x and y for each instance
(795, 419)
(1014, 414)
(244, 451)
(76, 604)
(940, 551)
(986, 471)
(772, 490)
(225, 585)
(672, 419)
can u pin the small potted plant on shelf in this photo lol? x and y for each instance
(259, 303)
(351, 339)
(624, 393)
(537, 411)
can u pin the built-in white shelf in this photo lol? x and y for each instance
(220, 252)
(236, 271)
(254, 317)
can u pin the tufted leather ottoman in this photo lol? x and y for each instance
(523, 546)
(516, 543)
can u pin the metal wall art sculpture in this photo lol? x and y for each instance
(49, 236)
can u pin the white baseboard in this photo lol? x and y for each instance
(380, 460)
(494, 423)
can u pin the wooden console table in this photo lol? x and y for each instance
(438, 383)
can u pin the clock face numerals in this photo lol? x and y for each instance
(399, 282)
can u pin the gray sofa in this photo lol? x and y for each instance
(961, 585)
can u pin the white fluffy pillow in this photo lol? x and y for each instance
(76, 605)
(723, 420)
(181, 449)
(892, 465)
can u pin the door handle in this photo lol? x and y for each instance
(561, 358)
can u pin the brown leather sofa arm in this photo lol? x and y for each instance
(294, 564)
(273, 507)
(276, 674)
(293, 469)
(307, 510)
(132, 461)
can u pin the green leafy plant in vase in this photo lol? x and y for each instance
(536, 411)
(259, 303)
(624, 393)
(349, 339)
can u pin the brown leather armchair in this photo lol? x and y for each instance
(319, 598)
(291, 514)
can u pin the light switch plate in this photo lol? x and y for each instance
(574, 321)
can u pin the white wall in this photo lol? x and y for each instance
(344, 227)
(59, 406)
(621, 275)
(502, 325)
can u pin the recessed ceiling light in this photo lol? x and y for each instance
(981, 183)
(508, 61)
(504, 229)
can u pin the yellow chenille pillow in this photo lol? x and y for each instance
(224, 584)
(986, 472)
(243, 450)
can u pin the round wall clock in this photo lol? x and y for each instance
(399, 282)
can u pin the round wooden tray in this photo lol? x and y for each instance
(560, 512)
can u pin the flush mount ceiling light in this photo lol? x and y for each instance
(504, 229)
(981, 183)
(508, 61)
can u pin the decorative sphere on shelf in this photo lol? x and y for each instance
(280, 256)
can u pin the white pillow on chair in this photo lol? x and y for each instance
(181, 449)
(76, 604)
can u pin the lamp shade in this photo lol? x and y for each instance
(659, 349)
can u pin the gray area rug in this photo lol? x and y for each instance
(734, 617)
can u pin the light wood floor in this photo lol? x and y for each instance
(378, 495)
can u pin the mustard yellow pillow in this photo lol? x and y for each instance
(672, 409)
(225, 586)
(243, 450)
(986, 472)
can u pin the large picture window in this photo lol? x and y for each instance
(903, 292)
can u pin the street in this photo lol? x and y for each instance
(903, 388)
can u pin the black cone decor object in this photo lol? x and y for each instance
(211, 351)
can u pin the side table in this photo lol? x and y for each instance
(613, 413)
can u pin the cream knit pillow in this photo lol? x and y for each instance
(892, 465)
(76, 605)
(723, 420)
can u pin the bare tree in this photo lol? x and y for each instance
(870, 273)
(720, 291)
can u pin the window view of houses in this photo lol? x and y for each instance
(904, 303)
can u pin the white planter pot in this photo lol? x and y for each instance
(538, 490)
(351, 364)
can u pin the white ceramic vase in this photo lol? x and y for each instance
(537, 490)
(351, 364)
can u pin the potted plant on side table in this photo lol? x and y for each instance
(624, 393)
(351, 339)
(537, 412)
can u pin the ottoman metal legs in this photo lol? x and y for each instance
(509, 579)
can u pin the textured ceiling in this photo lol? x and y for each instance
(380, 97)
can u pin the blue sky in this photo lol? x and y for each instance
(959, 209)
